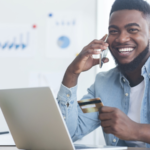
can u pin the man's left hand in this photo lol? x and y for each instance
(114, 121)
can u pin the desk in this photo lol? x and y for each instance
(6, 139)
(14, 148)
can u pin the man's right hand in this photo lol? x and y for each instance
(84, 61)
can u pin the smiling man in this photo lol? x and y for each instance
(124, 90)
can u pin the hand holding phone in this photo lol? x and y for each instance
(84, 61)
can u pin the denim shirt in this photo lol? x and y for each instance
(114, 90)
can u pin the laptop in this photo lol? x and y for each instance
(35, 120)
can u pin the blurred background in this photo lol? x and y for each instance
(40, 38)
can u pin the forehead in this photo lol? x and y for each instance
(123, 17)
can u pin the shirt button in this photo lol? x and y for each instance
(68, 95)
(64, 117)
(126, 94)
(114, 140)
(124, 80)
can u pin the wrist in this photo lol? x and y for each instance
(70, 79)
(70, 74)
(137, 132)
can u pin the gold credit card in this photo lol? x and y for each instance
(90, 105)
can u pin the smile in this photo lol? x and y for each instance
(122, 50)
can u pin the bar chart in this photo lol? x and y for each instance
(17, 40)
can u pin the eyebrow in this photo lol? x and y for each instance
(128, 25)
(132, 24)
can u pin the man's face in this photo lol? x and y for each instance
(128, 35)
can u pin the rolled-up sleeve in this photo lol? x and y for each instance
(78, 123)
(66, 98)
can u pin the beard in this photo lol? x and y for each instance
(133, 65)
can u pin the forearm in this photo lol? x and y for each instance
(144, 133)
(70, 79)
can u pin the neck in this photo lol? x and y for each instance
(135, 76)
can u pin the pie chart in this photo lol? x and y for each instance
(63, 42)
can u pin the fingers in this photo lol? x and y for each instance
(106, 123)
(94, 46)
(104, 37)
(95, 62)
(106, 109)
(106, 113)
(99, 42)
(104, 116)
(100, 45)
(108, 130)
(105, 60)
(89, 52)
(92, 49)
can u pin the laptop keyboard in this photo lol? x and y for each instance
(82, 146)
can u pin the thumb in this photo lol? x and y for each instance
(95, 62)
(104, 37)
(105, 60)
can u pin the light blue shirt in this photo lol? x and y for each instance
(114, 90)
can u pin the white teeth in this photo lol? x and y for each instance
(125, 49)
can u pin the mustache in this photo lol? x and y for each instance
(123, 45)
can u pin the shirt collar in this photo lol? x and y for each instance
(123, 79)
(145, 69)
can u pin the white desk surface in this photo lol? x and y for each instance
(14, 148)
(9, 148)
(6, 139)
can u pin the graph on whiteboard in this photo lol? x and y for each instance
(64, 34)
(17, 40)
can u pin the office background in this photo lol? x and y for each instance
(17, 70)
(40, 38)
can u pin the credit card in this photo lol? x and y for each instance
(90, 105)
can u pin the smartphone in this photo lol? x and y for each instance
(90, 105)
(103, 54)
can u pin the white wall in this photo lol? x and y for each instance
(15, 71)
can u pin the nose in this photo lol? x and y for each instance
(123, 37)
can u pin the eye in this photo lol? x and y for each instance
(133, 30)
(113, 32)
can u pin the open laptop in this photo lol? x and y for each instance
(35, 120)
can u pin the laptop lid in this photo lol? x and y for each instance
(34, 119)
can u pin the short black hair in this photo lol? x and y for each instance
(139, 5)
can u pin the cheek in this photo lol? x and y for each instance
(110, 41)
(142, 42)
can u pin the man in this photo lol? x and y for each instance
(124, 90)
